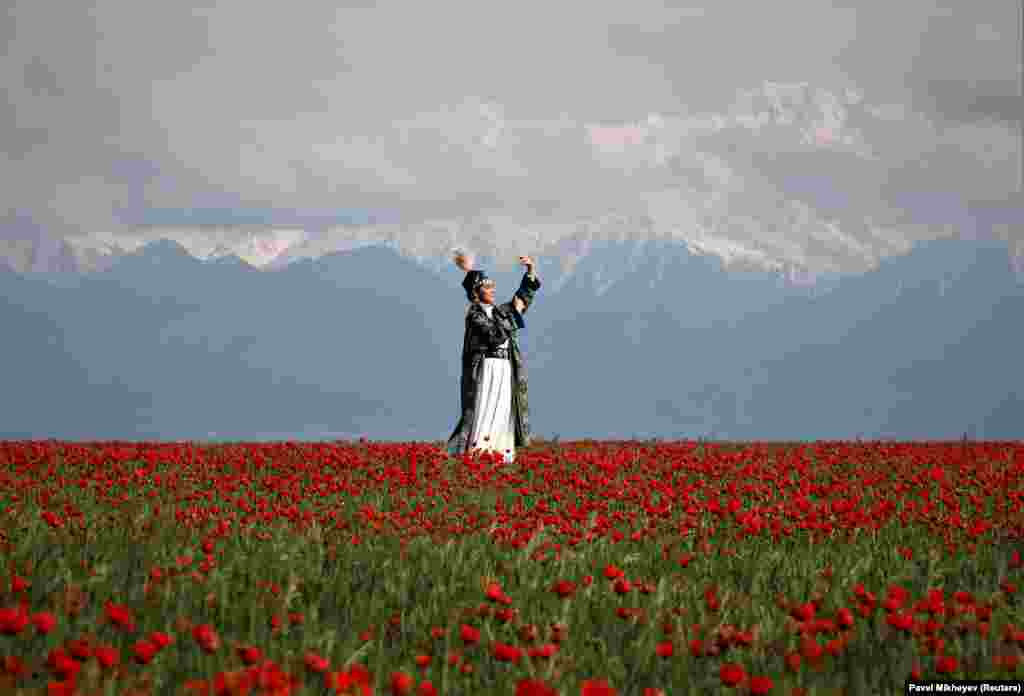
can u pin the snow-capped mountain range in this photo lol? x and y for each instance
(164, 345)
(429, 244)
(691, 193)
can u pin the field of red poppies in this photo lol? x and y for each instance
(584, 568)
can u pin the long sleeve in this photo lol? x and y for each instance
(528, 287)
(492, 332)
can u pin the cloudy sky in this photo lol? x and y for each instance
(832, 129)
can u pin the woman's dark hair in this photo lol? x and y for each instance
(472, 282)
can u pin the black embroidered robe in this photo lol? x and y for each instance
(482, 335)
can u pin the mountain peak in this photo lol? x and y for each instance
(164, 247)
(159, 252)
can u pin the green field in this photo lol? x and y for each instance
(630, 568)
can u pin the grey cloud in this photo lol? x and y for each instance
(835, 184)
(731, 44)
(448, 110)
(953, 61)
(970, 102)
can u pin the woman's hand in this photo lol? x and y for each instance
(528, 262)
(518, 304)
(463, 260)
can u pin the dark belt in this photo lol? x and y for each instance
(498, 353)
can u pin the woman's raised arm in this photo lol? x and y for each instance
(528, 287)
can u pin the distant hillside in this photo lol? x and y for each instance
(641, 339)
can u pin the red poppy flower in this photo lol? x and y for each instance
(1008, 662)
(612, 572)
(79, 649)
(61, 688)
(354, 682)
(119, 615)
(13, 621)
(494, 592)
(803, 612)
(401, 684)
(107, 656)
(598, 687)
(902, 621)
(316, 663)
(63, 666)
(206, 637)
(143, 651)
(793, 661)
(507, 653)
(44, 622)
(811, 649)
(564, 588)
(14, 666)
(534, 687)
(469, 634)
(250, 655)
(731, 674)
(546, 650)
(160, 639)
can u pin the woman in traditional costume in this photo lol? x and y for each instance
(495, 408)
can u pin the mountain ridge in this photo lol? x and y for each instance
(558, 259)
(162, 345)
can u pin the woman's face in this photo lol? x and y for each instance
(487, 294)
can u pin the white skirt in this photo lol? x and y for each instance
(493, 428)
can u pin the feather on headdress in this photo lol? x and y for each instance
(474, 278)
(463, 259)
